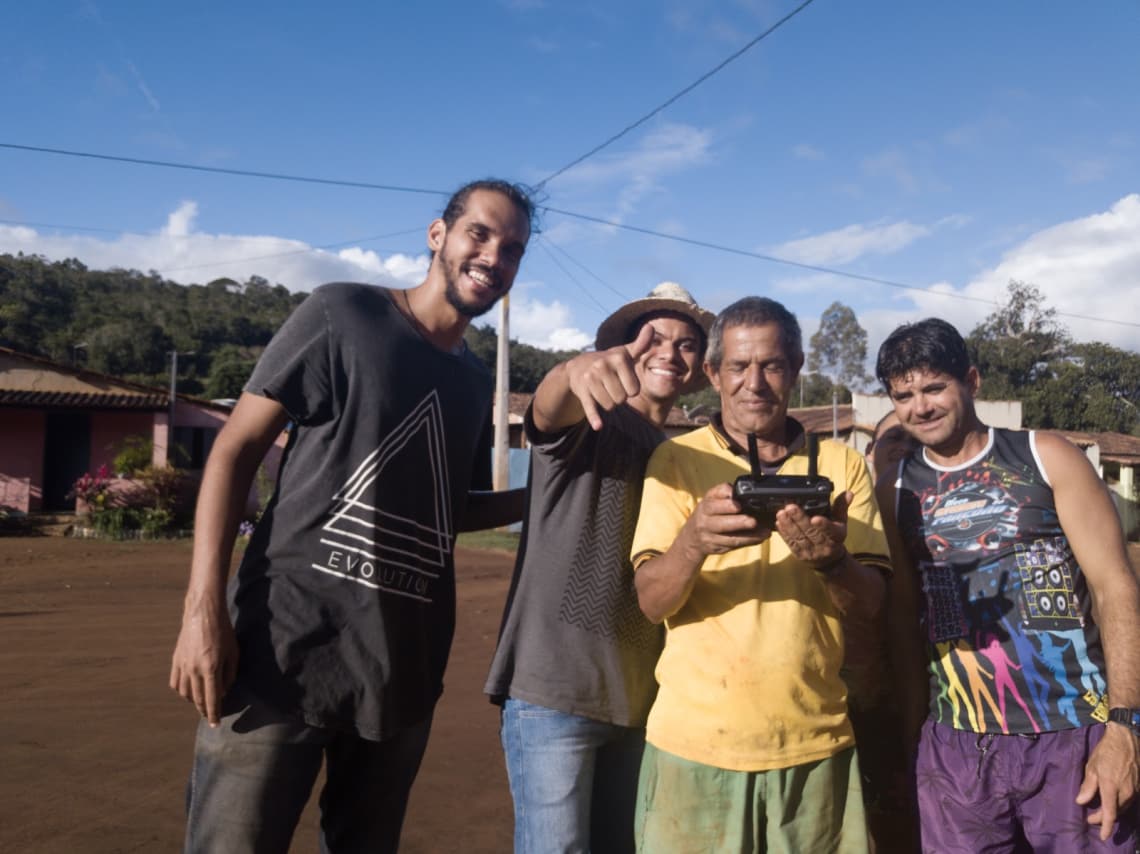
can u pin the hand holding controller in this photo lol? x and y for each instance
(763, 496)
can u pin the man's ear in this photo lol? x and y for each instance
(714, 377)
(436, 233)
(973, 380)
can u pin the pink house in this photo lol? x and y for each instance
(57, 422)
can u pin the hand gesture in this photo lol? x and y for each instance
(817, 541)
(602, 381)
(205, 658)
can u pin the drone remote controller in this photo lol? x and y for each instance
(762, 496)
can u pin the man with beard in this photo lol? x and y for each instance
(748, 744)
(1009, 557)
(340, 617)
(573, 668)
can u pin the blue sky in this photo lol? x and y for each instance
(948, 147)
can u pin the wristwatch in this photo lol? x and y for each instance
(1128, 717)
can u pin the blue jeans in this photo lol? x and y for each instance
(573, 780)
(253, 774)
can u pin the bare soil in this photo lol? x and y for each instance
(95, 748)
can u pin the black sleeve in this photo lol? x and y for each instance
(481, 467)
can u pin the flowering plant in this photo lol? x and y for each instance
(92, 489)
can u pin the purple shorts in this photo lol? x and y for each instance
(998, 793)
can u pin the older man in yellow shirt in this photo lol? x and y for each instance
(749, 744)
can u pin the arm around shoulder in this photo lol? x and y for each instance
(487, 509)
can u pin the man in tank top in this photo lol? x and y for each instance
(1013, 589)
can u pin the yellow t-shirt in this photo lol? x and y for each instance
(749, 677)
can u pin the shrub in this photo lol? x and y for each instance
(135, 455)
(162, 485)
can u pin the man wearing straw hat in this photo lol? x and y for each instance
(574, 664)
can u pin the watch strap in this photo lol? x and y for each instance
(1128, 717)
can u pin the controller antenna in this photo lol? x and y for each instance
(753, 456)
(813, 453)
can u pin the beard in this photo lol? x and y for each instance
(467, 309)
(452, 270)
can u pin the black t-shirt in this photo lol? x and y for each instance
(344, 603)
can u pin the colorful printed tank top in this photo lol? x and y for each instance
(1003, 603)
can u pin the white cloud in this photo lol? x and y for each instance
(804, 151)
(1088, 269)
(181, 254)
(846, 244)
(181, 221)
(666, 150)
(143, 87)
(541, 324)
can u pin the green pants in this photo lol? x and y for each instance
(685, 807)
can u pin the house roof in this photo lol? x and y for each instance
(819, 419)
(33, 381)
(1114, 447)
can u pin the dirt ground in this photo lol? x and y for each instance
(96, 748)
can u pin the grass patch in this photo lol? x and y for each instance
(493, 539)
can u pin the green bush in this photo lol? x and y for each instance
(156, 522)
(135, 454)
(116, 522)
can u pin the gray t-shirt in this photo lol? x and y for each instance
(344, 603)
(573, 637)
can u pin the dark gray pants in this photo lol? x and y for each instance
(253, 774)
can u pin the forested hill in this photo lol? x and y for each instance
(126, 323)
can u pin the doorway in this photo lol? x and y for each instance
(67, 455)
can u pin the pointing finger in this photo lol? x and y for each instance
(640, 345)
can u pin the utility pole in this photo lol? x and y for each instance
(834, 411)
(502, 473)
(173, 354)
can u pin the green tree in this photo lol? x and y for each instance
(1017, 347)
(230, 369)
(528, 364)
(1095, 388)
(838, 352)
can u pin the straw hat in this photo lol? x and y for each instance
(667, 296)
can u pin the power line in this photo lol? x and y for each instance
(589, 272)
(816, 268)
(585, 217)
(676, 97)
(543, 244)
(218, 170)
(62, 227)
